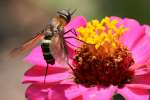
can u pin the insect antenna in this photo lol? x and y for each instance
(73, 12)
(45, 73)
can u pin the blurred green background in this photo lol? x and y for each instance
(20, 19)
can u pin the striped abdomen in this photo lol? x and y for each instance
(46, 51)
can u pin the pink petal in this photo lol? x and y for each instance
(78, 98)
(36, 74)
(75, 91)
(141, 52)
(71, 51)
(142, 80)
(34, 92)
(46, 92)
(147, 29)
(140, 69)
(58, 92)
(38, 70)
(134, 93)
(74, 24)
(131, 37)
(68, 81)
(138, 86)
(116, 18)
(99, 94)
(36, 57)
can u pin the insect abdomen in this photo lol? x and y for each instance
(46, 52)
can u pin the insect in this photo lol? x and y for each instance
(52, 40)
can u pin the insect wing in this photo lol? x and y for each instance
(27, 45)
(58, 49)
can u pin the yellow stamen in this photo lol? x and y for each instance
(98, 32)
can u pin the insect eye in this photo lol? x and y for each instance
(65, 14)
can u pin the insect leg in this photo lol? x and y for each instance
(45, 73)
(77, 39)
(72, 31)
(69, 64)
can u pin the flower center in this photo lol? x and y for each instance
(105, 60)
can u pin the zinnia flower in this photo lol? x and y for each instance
(114, 58)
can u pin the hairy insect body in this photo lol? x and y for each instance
(48, 57)
(52, 40)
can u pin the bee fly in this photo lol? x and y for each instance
(52, 40)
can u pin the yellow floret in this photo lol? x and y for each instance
(98, 32)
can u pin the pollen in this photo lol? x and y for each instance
(98, 32)
(103, 60)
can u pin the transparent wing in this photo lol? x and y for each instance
(58, 48)
(27, 45)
